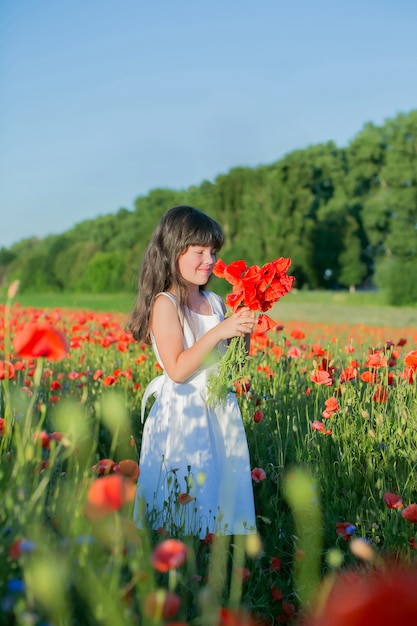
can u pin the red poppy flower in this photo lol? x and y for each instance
(43, 438)
(7, 370)
(184, 498)
(321, 377)
(241, 573)
(234, 617)
(108, 494)
(348, 373)
(128, 468)
(297, 334)
(2, 426)
(263, 324)
(209, 539)
(108, 381)
(161, 604)
(258, 474)
(275, 564)
(332, 406)
(255, 287)
(371, 598)
(104, 466)
(393, 501)
(376, 360)
(258, 416)
(345, 529)
(294, 352)
(170, 554)
(410, 513)
(410, 360)
(276, 594)
(381, 394)
(368, 377)
(41, 340)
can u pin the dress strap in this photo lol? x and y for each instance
(154, 388)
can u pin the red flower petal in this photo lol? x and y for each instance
(41, 340)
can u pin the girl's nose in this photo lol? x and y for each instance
(208, 259)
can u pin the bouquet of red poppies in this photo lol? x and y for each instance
(258, 288)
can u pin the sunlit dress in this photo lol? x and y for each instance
(195, 475)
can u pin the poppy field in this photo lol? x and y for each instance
(330, 414)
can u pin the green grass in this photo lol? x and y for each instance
(338, 307)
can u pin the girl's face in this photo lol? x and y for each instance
(196, 264)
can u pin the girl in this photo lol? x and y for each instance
(195, 471)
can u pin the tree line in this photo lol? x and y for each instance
(347, 217)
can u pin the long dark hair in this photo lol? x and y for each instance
(179, 228)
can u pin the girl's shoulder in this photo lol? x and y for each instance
(167, 294)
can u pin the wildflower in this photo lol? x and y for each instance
(104, 466)
(276, 594)
(7, 370)
(368, 377)
(317, 425)
(2, 426)
(41, 339)
(184, 498)
(294, 352)
(410, 513)
(170, 554)
(393, 501)
(410, 359)
(376, 360)
(21, 546)
(296, 333)
(108, 494)
(288, 610)
(370, 598)
(128, 468)
(43, 438)
(258, 474)
(161, 604)
(345, 530)
(234, 617)
(381, 394)
(348, 373)
(110, 380)
(258, 416)
(321, 377)
(241, 573)
(275, 563)
(332, 406)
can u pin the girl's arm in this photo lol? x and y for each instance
(180, 363)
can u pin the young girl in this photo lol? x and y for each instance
(195, 472)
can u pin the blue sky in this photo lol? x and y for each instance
(102, 101)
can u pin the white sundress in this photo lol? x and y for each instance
(195, 475)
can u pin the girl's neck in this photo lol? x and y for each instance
(196, 301)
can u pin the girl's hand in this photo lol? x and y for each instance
(238, 324)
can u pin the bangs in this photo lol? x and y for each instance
(204, 238)
(204, 231)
